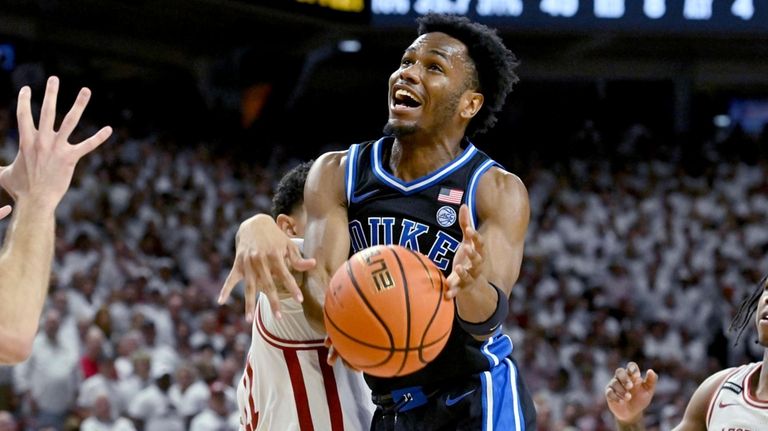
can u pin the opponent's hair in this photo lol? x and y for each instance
(494, 63)
(747, 310)
(289, 193)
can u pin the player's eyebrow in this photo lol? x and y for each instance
(435, 51)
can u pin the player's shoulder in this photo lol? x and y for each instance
(499, 187)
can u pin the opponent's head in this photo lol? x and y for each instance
(288, 201)
(457, 74)
(756, 304)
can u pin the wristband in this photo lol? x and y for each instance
(492, 323)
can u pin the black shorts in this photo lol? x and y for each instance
(497, 400)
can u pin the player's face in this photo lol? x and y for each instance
(762, 317)
(426, 91)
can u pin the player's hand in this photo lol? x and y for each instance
(43, 167)
(468, 261)
(264, 258)
(333, 355)
(628, 394)
(4, 211)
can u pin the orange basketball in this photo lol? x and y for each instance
(385, 311)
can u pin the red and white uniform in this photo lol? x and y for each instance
(734, 407)
(287, 384)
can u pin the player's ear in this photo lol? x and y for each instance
(287, 224)
(471, 104)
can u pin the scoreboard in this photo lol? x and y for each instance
(666, 16)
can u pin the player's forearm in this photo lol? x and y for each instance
(478, 303)
(25, 267)
(313, 307)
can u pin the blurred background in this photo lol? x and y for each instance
(638, 127)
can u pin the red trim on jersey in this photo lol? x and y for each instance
(254, 414)
(752, 401)
(299, 389)
(282, 343)
(331, 391)
(711, 408)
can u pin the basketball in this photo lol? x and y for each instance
(385, 311)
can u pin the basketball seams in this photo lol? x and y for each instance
(428, 271)
(407, 295)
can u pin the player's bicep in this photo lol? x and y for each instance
(695, 418)
(503, 213)
(326, 236)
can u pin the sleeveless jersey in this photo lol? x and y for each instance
(287, 384)
(421, 215)
(734, 407)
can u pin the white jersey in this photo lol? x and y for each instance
(734, 407)
(287, 384)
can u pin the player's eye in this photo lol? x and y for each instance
(436, 67)
(405, 62)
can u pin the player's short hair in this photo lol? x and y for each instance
(747, 310)
(289, 194)
(494, 63)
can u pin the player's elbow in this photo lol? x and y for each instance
(15, 349)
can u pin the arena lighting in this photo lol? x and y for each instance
(722, 121)
(350, 45)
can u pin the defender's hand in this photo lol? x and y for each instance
(45, 163)
(628, 394)
(264, 258)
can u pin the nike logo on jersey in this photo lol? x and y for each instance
(358, 198)
(452, 401)
(723, 405)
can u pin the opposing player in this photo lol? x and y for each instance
(287, 383)
(731, 399)
(37, 180)
(407, 188)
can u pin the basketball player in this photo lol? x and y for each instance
(731, 399)
(37, 180)
(288, 384)
(426, 187)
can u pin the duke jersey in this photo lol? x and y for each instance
(421, 215)
(734, 407)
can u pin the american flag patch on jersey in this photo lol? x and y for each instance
(451, 196)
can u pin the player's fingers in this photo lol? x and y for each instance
(332, 356)
(274, 302)
(619, 389)
(465, 221)
(285, 277)
(4, 211)
(623, 378)
(650, 380)
(48, 110)
(233, 277)
(75, 112)
(93, 142)
(633, 370)
(612, 396)
(250, 295)
(298, 262)
(453, 282)
(24, 113)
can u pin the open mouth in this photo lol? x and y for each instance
(405, 99)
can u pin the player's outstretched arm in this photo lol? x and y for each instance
(264, 259)
(326, 234)
(628, 395)
(488, 260)
(37, 180)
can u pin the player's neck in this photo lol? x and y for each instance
(761, 388)
(411, 158)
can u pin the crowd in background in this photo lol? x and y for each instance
(641, 260)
